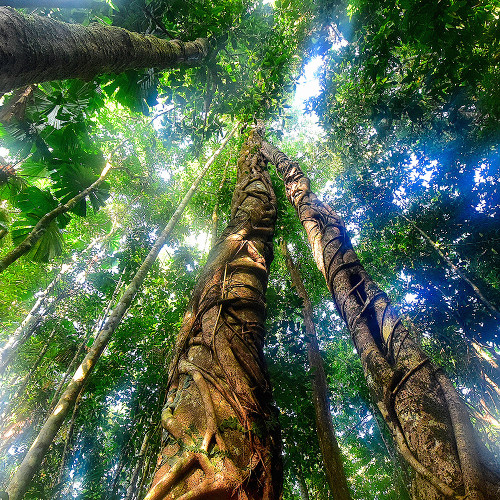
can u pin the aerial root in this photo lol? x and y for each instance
(210, 415)
(400, 438)
(166, 483)
(423, 471)
(349, 293)
(208, 486)
(366, 305)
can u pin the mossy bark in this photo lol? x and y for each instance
(222, 437)
(36, 49)
(428, 421)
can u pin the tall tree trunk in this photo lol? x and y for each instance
(67, 373)
(97, 328)
(33, 459)
(121, 464)
(145, 472)
(427, 419)
(330, 451)
(223, 434)
(35, 49)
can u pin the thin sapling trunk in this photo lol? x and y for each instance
(330, 451)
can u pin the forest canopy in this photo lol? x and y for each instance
(249, 248)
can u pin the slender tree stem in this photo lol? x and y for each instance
(493, 310)
(67, 444)
(304, 493)
(137, 469)
(43, 224)
(27, 378)
(330, 451)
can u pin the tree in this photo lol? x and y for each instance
(33, 459)
(397, 99)
(401, 377)
(332, 458)
(223, 434)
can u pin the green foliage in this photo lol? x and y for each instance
(410, 113)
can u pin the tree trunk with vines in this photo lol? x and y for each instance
(21, 480)
(428, 421)
(223, 439)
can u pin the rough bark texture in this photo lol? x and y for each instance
(61, 4)
(428, 421)
(222, 438)
(35, 49)
(330, 451)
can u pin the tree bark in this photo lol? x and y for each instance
(33, 459)
(223, 435)
(58, 4)
(330, 451)
(426, 417)
(35, 49)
